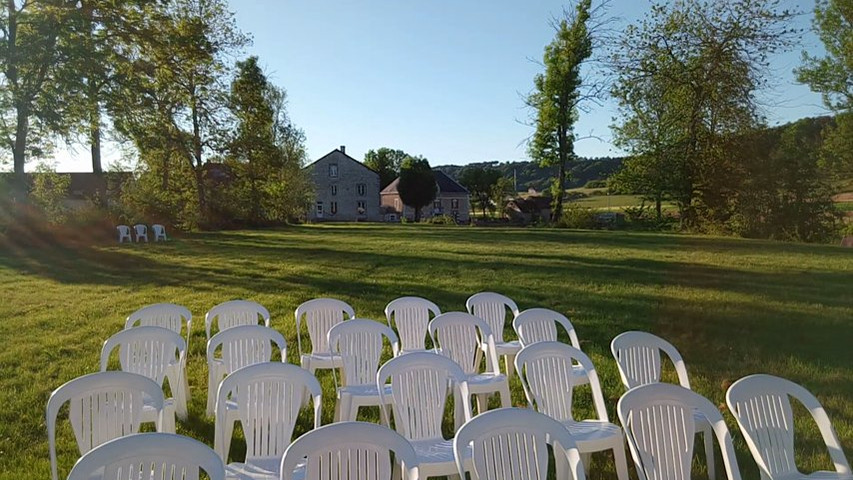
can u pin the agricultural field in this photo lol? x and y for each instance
(732, 307)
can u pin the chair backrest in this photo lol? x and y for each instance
(321, 314)
(460, 337)
(148, 351)
(638, 356)
(419, 388)
(102, 406)
(545, 370)
(158, 229)
(349, 451)
(762, 407)
(659, 423)
(511, 443)
(234, 313)
(141, 229)
(268, 398)
(246, 345)
(166, 315)
(540, 325)
(358, 344)
(492, 307)
(123, 230)
(164, 456)
(411, 316)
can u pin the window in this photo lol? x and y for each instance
(334, 189)
(319, 208)
(361, 187)
(454, 203)
(436, 204)
(361, 208)
(333, 207)
(333, 170)
(397, 204)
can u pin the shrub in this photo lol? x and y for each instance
(49, 191)
(575, 216)
(441, 220)
(596, 184)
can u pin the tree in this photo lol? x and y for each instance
(173, 101)
(479, 181)
(499, 192)
(832, 76)
(417, 185)
(557, 96)
(29, 31)
(261, 150)
(387, 162)
(687, 77)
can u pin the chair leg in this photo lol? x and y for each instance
(506, 398)
(482, 403)
(621, 460)
(509, 360)
(167, 420)
(230, 420)
(708, 438)
(212, 387)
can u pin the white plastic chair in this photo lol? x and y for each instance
(123, 233)
(267, 398)
(321, 314)
(492, 308)
(546, 372)
(638, 356)
(411, 316)
(240, 346)
(160, 456)
(762, 407)
(349, 451)
(462, 337)
(540, 325)
(102, 406)
(159, 232)
(235, 313)
(512, 443)
(419, 387)
(141, 231)
(660, 425)
(154, 352)
(173, 317)
(358, 345)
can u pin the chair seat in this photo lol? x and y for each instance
(261, 469)
(436, 457)
(365, 391)
(485, 379)
(320, 360)
(506, 348)
(594, 435)
(822, 475)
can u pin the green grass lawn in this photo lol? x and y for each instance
(732, 307)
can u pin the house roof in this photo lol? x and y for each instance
(532, 204)
(339, 152)
(444, 182)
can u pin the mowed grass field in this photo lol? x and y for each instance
(732, 307)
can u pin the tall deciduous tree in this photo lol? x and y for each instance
(688, 74)
(832, 76)
(417, 185)
(173, 102)
(387, 162)
(29, 31)
(479, 181)
(557, 96)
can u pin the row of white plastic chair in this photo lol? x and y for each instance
(141, 232)
(658, 419)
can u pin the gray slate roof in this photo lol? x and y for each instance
(444, 182)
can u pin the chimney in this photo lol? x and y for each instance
(343, 149)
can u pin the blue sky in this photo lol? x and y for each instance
(440, 78)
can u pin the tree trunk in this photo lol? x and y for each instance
(95, 140)
(658, 207)
(19, 152)
(417, 215)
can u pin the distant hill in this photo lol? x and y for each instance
(530, 174)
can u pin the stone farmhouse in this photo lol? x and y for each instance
(452, 199)
(345, 189)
